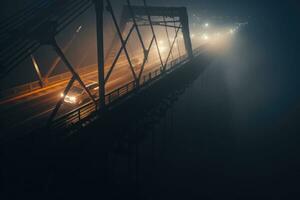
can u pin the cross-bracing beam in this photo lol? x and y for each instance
(42, 31)
(110, 9)
(142, 14)
(75, 76)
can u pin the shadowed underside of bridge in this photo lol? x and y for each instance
(132, 48)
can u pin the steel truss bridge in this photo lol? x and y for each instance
(119, 70)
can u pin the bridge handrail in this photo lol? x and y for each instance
(33, 86)
(87, 109)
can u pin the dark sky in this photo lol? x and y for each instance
(227, 7)
(278, 13)
(238, 7)
(281, 14)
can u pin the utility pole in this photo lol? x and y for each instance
(100, 54)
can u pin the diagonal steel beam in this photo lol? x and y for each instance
(171, 48)
(180, 12)
(70, 67)
(136, 26)
(75, 76)
(109, 7)
(145, 58)
(167, 32)
(61, 100)
(58, 59)
(118, 54)
(178, 49)
(152, 29)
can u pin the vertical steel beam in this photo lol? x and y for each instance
(186, 33)
(100, 52)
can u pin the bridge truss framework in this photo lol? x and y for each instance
(42, 28)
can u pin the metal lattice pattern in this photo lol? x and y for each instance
(40, 23)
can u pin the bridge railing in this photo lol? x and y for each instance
(33, 86)
(90, 108)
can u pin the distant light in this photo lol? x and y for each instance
(163, 49)
(205, 37)
(218, 34)
(193, 35)
(206, 25)
(231, 31)
(160, 42)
